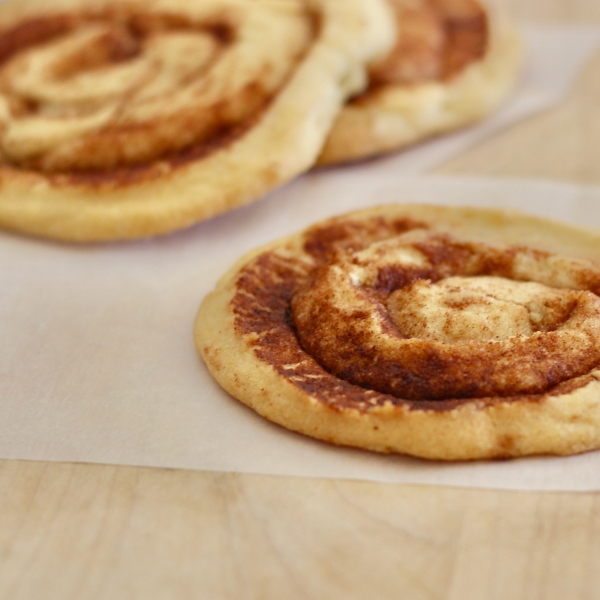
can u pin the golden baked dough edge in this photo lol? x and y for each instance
(401, 116)
(564, 424)
(284, 143)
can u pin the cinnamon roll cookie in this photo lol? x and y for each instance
(444, 333)
(453, 64)
(128, 119)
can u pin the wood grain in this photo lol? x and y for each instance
(109, 533)
(90, 531)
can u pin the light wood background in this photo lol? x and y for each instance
(103, 532)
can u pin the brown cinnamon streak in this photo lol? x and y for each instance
(136, 27)
(262, 308)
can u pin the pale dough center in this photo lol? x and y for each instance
(475, 308)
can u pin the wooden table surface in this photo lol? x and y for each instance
(102, 532)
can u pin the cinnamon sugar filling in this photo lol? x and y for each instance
(420, 319)
(437, 39)
(128, 91)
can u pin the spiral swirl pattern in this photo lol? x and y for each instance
(428, 317)
(452, 65)
(122, 120)
(130, 83)
(437, 40)
(425, 330)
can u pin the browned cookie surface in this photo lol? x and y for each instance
(437, 39)
(124, 119)
(128, 86)
(389, 332)
(453, 63)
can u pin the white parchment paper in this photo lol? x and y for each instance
(97, 362)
